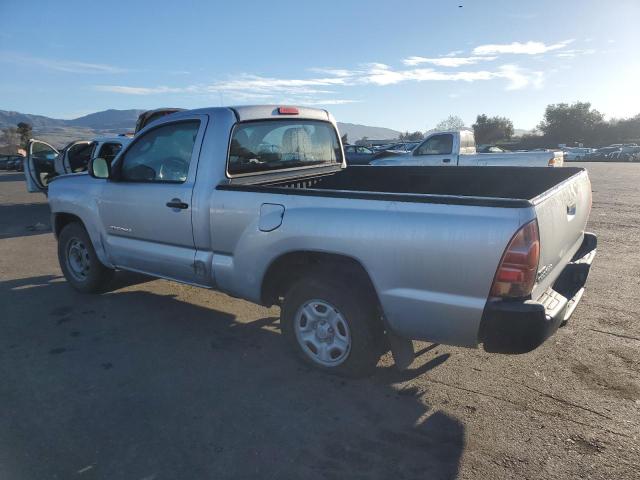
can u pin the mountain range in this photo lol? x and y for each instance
(108, 122)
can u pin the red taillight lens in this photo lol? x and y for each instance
(517, 271)
(288, 111)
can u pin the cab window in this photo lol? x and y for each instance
(436, 145)
(162, 154)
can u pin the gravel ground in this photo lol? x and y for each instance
(156, 380)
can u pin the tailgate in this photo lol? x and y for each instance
(562, 214)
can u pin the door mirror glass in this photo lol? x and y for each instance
(99, 168)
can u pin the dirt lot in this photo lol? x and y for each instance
(155, 380)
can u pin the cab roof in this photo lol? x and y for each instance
(242, 113)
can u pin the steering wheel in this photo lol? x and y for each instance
(173, 169)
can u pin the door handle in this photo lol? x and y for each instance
(177, 203)
(446, 160)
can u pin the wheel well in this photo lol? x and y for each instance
(290, 267)
(62, 220)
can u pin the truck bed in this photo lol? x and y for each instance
(490, 186)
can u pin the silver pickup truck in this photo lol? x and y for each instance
(257, 202)
(457, 148)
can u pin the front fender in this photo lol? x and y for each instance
(77, 195)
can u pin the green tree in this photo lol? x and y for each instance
(344, 139)
(621, 131)
(576, 123)
(25, 132)
(11, 139)
(491, 129)
(411, 137)
(452, 122)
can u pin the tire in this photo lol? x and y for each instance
(79, 262)
(353, 321)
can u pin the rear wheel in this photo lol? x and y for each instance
(79, 262)
(331, 326)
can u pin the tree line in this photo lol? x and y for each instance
(16, 137)
(563, 123)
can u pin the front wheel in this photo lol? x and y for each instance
(331, 326)
(79, 262)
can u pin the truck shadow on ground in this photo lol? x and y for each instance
(134, 384)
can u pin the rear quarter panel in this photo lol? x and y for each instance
(431, 265)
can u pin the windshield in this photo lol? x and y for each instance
(280, 144)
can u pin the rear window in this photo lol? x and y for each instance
(280, 144)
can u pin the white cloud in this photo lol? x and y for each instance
(331, 101)
(575, 52)
(246, 88)
(520, 78)
(381, 74)
(446, 61)
(266, 84)
(322, 88)
(68, 66)
(528, 48)
(336, 72)
(142, 90)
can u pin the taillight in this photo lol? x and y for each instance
(556, 161)
(518, 268)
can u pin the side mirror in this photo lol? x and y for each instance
(99, 168)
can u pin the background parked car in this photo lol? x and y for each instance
(19, 164)
(46, 162)
(12, 162)
(576, 154)
(625, 155)
(358, 155)
(601, 154)
(4, 160)
(489, 149)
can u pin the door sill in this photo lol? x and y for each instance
(163, 277)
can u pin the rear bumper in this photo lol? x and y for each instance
(521, 326)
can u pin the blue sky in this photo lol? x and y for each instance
(402, 64)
